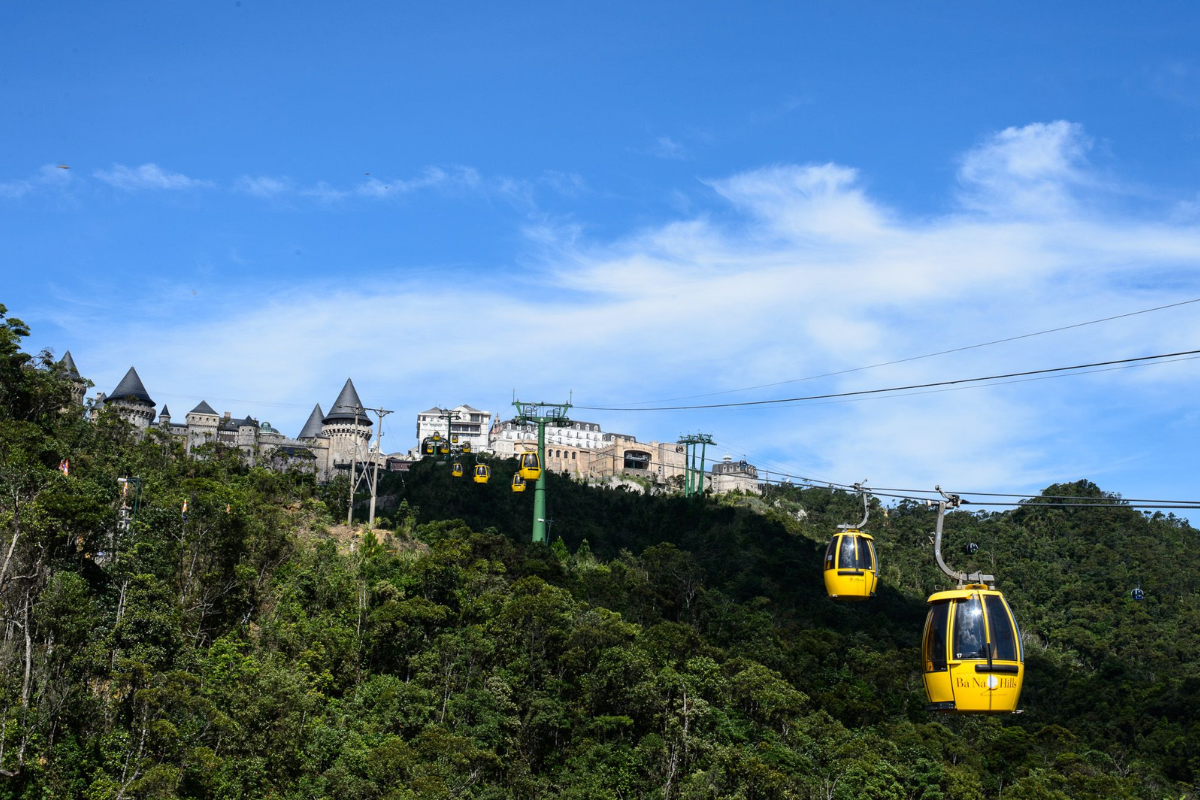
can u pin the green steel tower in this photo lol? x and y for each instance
(541, 414)
(693, 482)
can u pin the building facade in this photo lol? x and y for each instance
(328, 444)
(730, 476)
(469, 424)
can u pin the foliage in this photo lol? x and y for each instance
(661, 647)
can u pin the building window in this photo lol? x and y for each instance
(636, 459)
(573, 456)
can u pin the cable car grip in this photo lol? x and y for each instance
(953, 501)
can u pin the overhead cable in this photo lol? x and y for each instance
(864, 392)
(923, 356)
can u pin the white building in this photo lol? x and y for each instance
(510, 437)
(467, 423)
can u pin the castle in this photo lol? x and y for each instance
(330, 444)
(326, 445)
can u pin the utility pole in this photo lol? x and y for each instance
(693, 483)
(381, 413)
(541, 414)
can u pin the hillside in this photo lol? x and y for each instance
(659, 648)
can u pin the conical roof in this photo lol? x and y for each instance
(68, 364)
(166, 412)
(131, 388)
(348, 407)
(312, 428)
(203, 408)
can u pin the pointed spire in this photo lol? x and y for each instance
(203, 408)
(348, 407)
(68, 364)
(166, 412)
(312, 428)
(131, 388)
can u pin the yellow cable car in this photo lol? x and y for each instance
(972, 660)
(454, 439)
(428, 448)
(850, 566)
(466, 447)
(482, 473)
(518, 484)
(851, 570)
(443, 449)
(971, 648)
(457, 471)
(531, 466)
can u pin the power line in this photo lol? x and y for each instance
(863, 392)
(920, 357)
(1146, 504)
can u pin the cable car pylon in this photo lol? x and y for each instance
(693, 476)
(541, 414)
(973, 661)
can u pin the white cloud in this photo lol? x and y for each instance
(262, 186)
(49, 177)
(446, 180)
(815, 276)
(1033, 170)
(148, 177)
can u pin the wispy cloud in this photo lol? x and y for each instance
(148, 177)
(445, 180)
(50, 177)
(668, 148)
(813, 274)
(263, 186)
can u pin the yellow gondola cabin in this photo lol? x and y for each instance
(482, 473)
(457, 471)
(973, 661)
(518, 483)
(531, 466)
(850, 566)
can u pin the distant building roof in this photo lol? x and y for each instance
(253, 423)
(68, 364)
(130, 388)
(312, 428)
(203, 408)
(348, 407)
(434, 410)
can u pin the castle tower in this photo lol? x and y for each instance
(348, 429)
(78, 384)
(132, 401)
(201, 426)
(164, 418)
(312, 428)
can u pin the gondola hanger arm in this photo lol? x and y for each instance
(953, 501)
(866, 498)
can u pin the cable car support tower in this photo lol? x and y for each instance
(693, 480)
(541, 414)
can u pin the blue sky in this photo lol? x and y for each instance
(630, 202)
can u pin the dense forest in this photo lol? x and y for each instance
(660, 647)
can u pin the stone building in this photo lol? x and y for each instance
(131, 401)
(328, 444)
(658, 462)
(729, 476)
